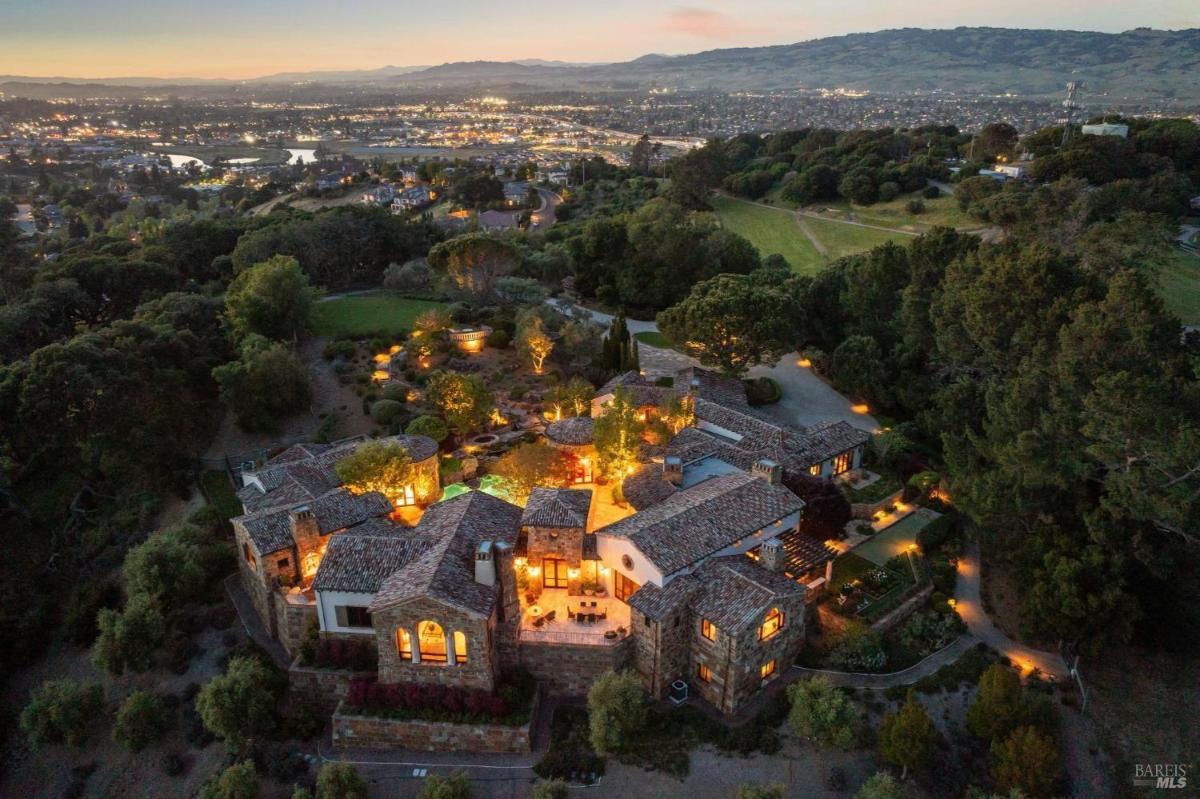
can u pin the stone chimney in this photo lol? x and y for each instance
(768, 470)
(772, 555)
(305, 530)
(506, 575)
(485, 566)
(673, 470)
(694, 387)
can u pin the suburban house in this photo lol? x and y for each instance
(416, 197)
(704, 584)
(379, 195)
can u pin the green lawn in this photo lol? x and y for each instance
(1179, 283)
(771, 231)
(847, 568)
(940, 212)
(654, 339)
(841, 239)
(886, 544)
(377, 313)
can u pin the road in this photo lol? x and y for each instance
(807, 400)
(543, 217)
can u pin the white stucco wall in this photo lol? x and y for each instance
(328, 600)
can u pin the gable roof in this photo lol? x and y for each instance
(736, 592)
(574, 431)
(271, 529)
(658, 602)
(557, 507)
(360, 563)
(445, 570)
(696, 522)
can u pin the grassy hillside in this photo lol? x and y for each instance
(379, 312)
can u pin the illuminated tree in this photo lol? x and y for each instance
(383, 466)
(474, 261)
(534, 343)
(429, 426)
(463, 400)
(676, 412)
(572, 398)
(431, 322)
(618, 434)
(527, 466)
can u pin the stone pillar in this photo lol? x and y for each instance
(772, 555)
(415, 641)
(451, 659)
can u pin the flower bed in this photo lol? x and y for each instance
(509, 705)
(341, 654)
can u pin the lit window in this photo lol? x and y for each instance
(460, 647)
(310, 563)
(624, 587)
(767, 670)
(405, 497)
(708, 629)
(404, 644)
(842, 463)
(432, 641)
(815, 470)
(703, 673)
(771, 625)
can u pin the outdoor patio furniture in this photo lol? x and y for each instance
(550, 616)
(602, 615)
(571, 614)
(539, 621)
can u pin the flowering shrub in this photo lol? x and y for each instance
(340, 653)
(509, 705)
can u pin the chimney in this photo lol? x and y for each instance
(673, 470)
(485, 567)
(772, 555)
(694, 386)
(305, 530)
(768, 470)
(506, 575)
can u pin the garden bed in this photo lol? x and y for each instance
(510, 705)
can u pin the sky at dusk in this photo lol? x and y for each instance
(249, 38)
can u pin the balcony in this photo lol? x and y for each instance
(562, 629)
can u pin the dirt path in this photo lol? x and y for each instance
(815, 215)
(808, 234)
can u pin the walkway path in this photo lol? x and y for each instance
(808, 234)
(807, 400)
(970, 607)
(930, 665)
(815, 215)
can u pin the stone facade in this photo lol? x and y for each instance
(570, 669)
(324, 688)
(661, 651)
(373, 732)
(290, 619)
(481, 669)
(561, 543)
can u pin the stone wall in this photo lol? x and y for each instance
(371, 732)
(482, 667)
(290, 621)
(563, 543)
(570, 669)
(661, 653)
(325, 688)
(866, 510)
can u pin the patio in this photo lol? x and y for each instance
(549, 619)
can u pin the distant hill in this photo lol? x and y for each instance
(1136, 65)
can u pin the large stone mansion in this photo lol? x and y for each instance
(705, 579)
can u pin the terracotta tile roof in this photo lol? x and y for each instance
(696, 522)
(271, 529)
(445, 571)
(305, 471)
(630, 378)
(728, 391)
(361, 562)
(646, 486)
(804, 553)
(658, 603)
(557, 507)
(825, 440)
(736, 593)
(575, 431)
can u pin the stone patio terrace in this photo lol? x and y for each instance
(565, 630)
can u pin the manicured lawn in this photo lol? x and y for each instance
(377, 313)
(1179, 283)
(654, 339)
(847, 568)
(940, 212)
(771, 231)
(886, 544)
(841, 239)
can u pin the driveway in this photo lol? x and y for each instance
(543, 217)
(807, 400)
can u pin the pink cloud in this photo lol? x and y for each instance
(702, 22)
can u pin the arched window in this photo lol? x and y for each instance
(432, 641)
(404, 644)
(460, 647)
(772, 624)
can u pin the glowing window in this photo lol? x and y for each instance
(432, 641)
(842, 463)
(404, 644)
(815, 470)
(708, 629)
(460, 647)
(703, 673)
(771, 625)
(310, 563)
(767, 670)
(405, 497)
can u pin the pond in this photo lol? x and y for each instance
(295, 156)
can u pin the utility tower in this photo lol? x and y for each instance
(1069, 104)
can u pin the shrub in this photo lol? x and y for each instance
(432, 426)
(880, 786)
(550, 789)
(141, 720)
(859, 649)
(889, 191)
(61, 711)
(937, 532)
(239, 781)
(340, 781)
(754, 790)
(915, 206)
(498, 340)
(240, 704)
(456, 786)
(931, 192)
(762, 391)
(86, 601)
(821, 712)
(129, 639)
(1000, 704)
(616, 711)
(345, 654)
(906, 737)
(385, 411)
(508, 705)
(1027, 760)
